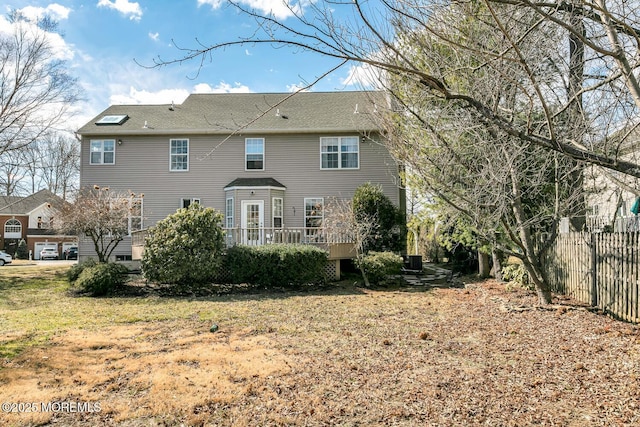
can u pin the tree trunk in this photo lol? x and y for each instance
(483, 265)
(496, 271)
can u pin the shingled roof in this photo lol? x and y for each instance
(24, 205)
(254, 182)
(264, 113)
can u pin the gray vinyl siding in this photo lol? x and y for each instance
(142, 166)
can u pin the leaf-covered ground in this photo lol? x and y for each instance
(482, 355)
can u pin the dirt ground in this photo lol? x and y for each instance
(482, 355)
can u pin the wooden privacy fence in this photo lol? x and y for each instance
(599, 269)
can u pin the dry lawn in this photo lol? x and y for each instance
(482, 355)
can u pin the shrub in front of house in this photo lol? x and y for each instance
(185, 248)
(101, 279)
(378, 266)
(277, 265)
(390, 228)
(22, 252)
(74, 272)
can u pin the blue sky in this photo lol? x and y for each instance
(103, 39)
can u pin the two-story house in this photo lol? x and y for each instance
(268, 161)
(32, 219)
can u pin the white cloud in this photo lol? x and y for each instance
(163, 96)
(281, 9)
(167, 96)
(295, 87)
(132, 10)
(54, 10)
(154, 36)
(222, 87)
(59, 47)
(363, 75)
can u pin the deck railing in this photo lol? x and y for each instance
(269, 235)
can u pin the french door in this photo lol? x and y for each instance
(252, 222)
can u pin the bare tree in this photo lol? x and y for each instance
(35, 89)
(342, 220)
(11, 175)
(60, 164)
(605, 36)
(101, 215)
(51, 162)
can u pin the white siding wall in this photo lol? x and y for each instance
(142, 166)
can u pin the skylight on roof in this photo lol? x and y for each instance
(112, 120)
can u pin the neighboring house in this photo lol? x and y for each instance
(269, 162)
(613, 198)
(32, 219)
(611, 205)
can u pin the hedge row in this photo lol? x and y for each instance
(276, 265)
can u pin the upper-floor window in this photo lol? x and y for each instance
(179, 155)
(12, 226)
(340, 152)
(254, 153)
(103, 152)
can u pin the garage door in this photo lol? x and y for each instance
(67, 245)
(38, 246)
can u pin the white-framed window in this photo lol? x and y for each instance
(102, 152)
(179, 155)
(135, 214)
(254, 153)
(313, 214)
(185, 203)
(228, 213)
(277, 212)
(12, 226)
(340, 152)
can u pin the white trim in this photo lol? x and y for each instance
(188, 154)
(252, 187)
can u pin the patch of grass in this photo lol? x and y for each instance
(338, 356)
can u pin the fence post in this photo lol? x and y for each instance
(594, 273)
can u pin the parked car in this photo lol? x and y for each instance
(49, 253)
(71, 253)
(5, 258)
